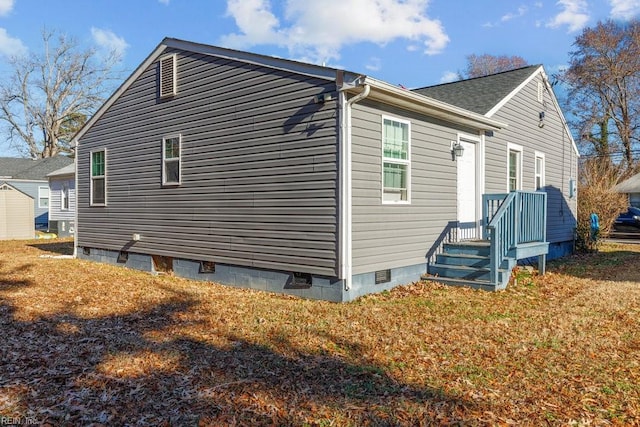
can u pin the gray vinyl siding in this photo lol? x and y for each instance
(259, 168)
(56, 213)
(522, 115)
(389, 236)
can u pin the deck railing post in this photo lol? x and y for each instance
(494, 255)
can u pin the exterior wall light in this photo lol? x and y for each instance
(541, 122)
(457, 150)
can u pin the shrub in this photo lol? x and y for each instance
(596, 195)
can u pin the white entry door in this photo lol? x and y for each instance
(468, 223)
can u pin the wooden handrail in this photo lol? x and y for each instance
(520, 218)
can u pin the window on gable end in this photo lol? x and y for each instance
(514, 167)
(539, 170)
(171, 160)
(168, 76)
(98, 178)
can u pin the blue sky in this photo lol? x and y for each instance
(410, 42)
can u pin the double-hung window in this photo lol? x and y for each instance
(171, 160)
(64, 197)
(99, 177)
(396, 160)
(515, 167)
(43, 197)
(539, 171)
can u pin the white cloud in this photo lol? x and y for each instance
(318, 30)
(107, 40)
(449, 76)
(624, 9)
(512, 15)
(10, 46)
(574, 15)
(5, 7)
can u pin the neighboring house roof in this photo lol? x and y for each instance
(479, 94)
(345, 81)
(631, 185)
(486, 95)
(28, 169)
(67, 170)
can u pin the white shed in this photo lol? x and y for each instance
(16, 214)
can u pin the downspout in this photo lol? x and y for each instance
(75, 191)
(346, 229)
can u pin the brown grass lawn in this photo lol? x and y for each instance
(92, 344)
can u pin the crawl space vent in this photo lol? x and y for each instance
(207, 267)
(298, 281)
(123, 257)
(168, 76)
(383, 276)
(162, 264)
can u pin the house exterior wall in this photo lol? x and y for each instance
(561, 161)
(56, 212)
(62, 221)
(387, 236)
(259, 169)
(16, 210)
(40, 213)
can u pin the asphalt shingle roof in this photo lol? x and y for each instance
(67, 170)
(16, 168)
(479, 94)
(631, 185)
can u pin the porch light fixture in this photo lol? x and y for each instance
(457, 150)
(541, 117)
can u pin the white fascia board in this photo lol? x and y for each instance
(404, 98)
(539, 70)
(297, 67)
(513, 93)
(559, 110)
(118, 93)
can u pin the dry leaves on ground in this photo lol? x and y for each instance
(93, 344)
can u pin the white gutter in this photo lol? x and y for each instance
(345, 172)
(412, 101)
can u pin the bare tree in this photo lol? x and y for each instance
(604, 90)
(483, 65)
(49, 95)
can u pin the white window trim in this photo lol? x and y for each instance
(398, 161)
(515, 147)
(539, 155)
(40, 188)
(64, 197)
(179, 160)
(91, 177)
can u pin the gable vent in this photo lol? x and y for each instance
(168, 76)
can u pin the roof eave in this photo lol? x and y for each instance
(403, 98)
(322, 72)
